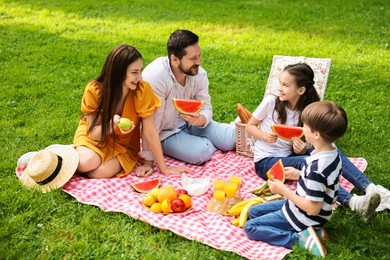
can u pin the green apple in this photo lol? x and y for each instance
(125, 124)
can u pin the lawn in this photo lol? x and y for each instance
(49, 50)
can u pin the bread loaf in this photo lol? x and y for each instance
(243, 113)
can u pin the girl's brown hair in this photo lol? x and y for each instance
(304, 77)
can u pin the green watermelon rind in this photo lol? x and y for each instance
(146, 186)
(196, 109)
(274, 171)
(278, 128)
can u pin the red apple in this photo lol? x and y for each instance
(181, 191)
(178, 205)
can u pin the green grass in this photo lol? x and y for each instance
(49, 50)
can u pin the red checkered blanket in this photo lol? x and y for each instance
(198, 224)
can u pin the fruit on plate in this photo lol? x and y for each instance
(154, 192)
(166, 206)
(165, 200)
(148, 200)
(181, 191)
(178, 205)
(243, 113)
(287, 132)
(125, 124)
(146, 186)
(276, 172)
(187, 200)
(166, 192)
(186, 106)
(156, 207)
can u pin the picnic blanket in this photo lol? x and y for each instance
(116, 195)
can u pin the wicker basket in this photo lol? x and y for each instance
(243, 146)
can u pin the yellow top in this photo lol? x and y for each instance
(140, 103)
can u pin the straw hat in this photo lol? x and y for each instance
(50, 168)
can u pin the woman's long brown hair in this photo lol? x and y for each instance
(110, 80)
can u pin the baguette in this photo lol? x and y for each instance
(243, 113)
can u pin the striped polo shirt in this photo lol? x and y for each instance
(318, 181)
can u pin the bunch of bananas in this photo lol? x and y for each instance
(241, 209)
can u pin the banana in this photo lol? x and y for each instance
(235, 211)
(237, 208)
(236, 221)
(244, 213)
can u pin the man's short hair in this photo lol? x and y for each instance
(179, 40)
(326, 117)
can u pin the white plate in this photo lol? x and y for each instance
(195, 186)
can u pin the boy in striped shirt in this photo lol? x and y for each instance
(298, 219)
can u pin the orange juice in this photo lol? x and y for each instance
(231, 189)
(237, 180)
(219, 195)
(219, 185)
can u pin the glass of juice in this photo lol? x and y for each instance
(219, 195)
(231, 189)
(236, 179)
(219, 184)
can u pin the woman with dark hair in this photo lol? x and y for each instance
(118, 92)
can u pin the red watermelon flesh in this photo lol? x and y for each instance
(287, 132)
(146, 186)
(186, 106)
(276, 171)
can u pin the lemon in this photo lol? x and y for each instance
(166, 206)
(156, 207)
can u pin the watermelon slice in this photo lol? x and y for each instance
(146, 186)
(287, 132)
(186, 106)
(275, 172)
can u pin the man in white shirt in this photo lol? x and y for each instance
(190, 138)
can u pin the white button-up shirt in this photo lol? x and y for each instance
(164, 84)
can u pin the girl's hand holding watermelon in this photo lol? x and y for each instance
(299, 146)
(270, 137)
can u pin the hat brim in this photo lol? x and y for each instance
(70, 163)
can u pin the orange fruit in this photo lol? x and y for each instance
(166, 206)
(156, 207)
(187, 200)
(148, 200)
(166, 192)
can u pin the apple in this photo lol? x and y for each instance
(181, 191)
(148, 200)
(178, 205)
(125, 124)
